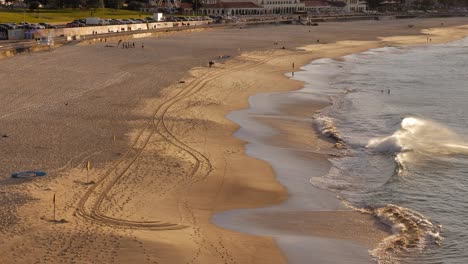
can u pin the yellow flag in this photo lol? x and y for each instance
(88, 165)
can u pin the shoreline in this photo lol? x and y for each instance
(257, 221)
(197, 120)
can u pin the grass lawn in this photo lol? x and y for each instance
(65, 15)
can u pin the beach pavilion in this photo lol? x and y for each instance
(232, 9)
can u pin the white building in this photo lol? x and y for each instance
(355, 6)
(280, 7)
(251, 7)
(323, 7)
(232, 9)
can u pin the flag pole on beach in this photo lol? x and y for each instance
(53, 200)
(88, 167)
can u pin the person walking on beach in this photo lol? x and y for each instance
(142, 45)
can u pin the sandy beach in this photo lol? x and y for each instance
(163, 158)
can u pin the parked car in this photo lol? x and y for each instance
(104, 22)
(115, 22)
(8, 26)
(72, 24)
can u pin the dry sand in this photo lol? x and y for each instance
(174, 162)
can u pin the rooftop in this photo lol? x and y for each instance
(232, 5)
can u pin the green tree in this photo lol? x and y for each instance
(196, 4)
(56, 4)
(135, 5)
(117, 4)
(95, 3)
(34, 5)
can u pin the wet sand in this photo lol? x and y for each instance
(174, 162)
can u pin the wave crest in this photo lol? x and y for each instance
(422, 138)
(411, 231)
(327, 127)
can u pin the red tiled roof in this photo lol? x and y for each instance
(311, 3)
(232, 5)
(316, 3)
(337, 3)
(186, 5)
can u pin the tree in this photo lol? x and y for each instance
(95, 3)
(34, 5)
(135, 5)
(117, 4)
(56, 3)
(196, 4)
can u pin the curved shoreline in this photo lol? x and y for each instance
(287, 221)
(98, 102)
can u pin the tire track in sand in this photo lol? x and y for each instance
(89, 206)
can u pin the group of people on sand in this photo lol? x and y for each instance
(383, 91)
(128, 44)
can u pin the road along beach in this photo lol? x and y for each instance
(163, 159)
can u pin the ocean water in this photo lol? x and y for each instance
(400, 119)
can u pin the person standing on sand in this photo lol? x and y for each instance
(142, 45)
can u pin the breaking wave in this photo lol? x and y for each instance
(418, 139)
(328, 129)
(411, 231)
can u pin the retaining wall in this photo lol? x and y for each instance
(18, 34)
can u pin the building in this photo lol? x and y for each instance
(232, 9)
(252, 7)
(186, 8)
(280, 7)
(323, 7)
(353, 6)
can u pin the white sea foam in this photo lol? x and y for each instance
(411, 232)
(327, 127)
(419, 139)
